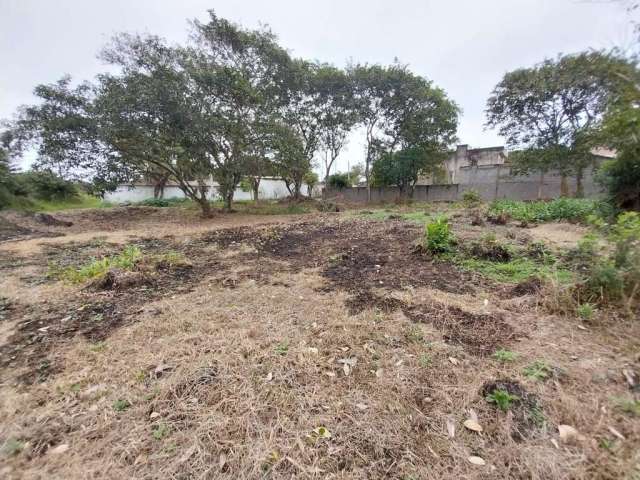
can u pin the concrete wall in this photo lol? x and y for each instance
(490, 181)
(270, 189)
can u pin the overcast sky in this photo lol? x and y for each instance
(464, 46)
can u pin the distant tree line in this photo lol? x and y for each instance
(231, 105)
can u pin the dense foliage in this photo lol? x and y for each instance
(548, 112)
(230, 105)
(572, 209)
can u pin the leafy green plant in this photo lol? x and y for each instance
(538, 370)
(282, 348)
(502, 399)
(415, 334)
(505, 356)
(424, 360)
(12, 447)
(160, 431)
(585, 311)
(121, 405)
(572, 209)
(98, 347)
(164, 202)
(471, 198)
(438, 236)
(126, 260)
(629, 405)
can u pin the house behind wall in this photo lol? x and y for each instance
(488, 172)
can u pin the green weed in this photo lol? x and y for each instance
(282, 348)
(126, 260)
(572, 209)
(160, 431)
(505, 356)
(12, 447)
(121, 405)
(438, 236)
(538, 370)
(502, 399)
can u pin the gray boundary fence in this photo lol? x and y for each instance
(491, 182)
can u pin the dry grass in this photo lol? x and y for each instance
(234, 381)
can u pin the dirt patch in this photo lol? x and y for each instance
(525, 407)
(562, 234)
(479, 334)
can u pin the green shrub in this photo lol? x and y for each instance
(585, 311)
(471, 198)
(502, 399)
(125, 260)
(163, 202)
(45, 186)
(338, 180)
(571, 209)
(438, 236)
(612, 276)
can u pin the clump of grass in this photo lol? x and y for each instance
(629, 405)
(121, 405)
(424, 360)
(126, 260)
(98, 347)
(502, 399)
(572, 209)
(585, 311)
(160, 431)
(415, 334)
(538, 370)
(438, 236)
(164, 202)
(505, 356)
(282, 348)
(12, 447)
(514, 271)
(471, 198)
(171, 259)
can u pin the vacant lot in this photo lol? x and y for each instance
(148, 343)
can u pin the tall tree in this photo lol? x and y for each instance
(338, 112)
(621, 131)
(400, 110)
(63, 131)
(548, 111)
(403, 168)
(237, 83)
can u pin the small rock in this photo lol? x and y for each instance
(63, 447)
(154, 415)
(472, 425)
(477, 460)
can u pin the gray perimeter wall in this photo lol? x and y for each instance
(491, 182)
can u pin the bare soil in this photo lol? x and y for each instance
(316, 346)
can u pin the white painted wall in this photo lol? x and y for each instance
(270, 189)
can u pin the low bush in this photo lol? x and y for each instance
(611, 275)
(438, 236)
(45, 186)
(570, 209)
(338, 180)
(163, 202)
(488, 248)
(471, 198)
(125, 260)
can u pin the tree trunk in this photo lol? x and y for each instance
(255, 186)
(228, 200)
(205, 206)
(564, 186)
(540, 185)
(579, 186)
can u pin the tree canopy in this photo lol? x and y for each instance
(232, 104)
(548, 111)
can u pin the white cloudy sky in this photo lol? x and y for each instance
(464, 46)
